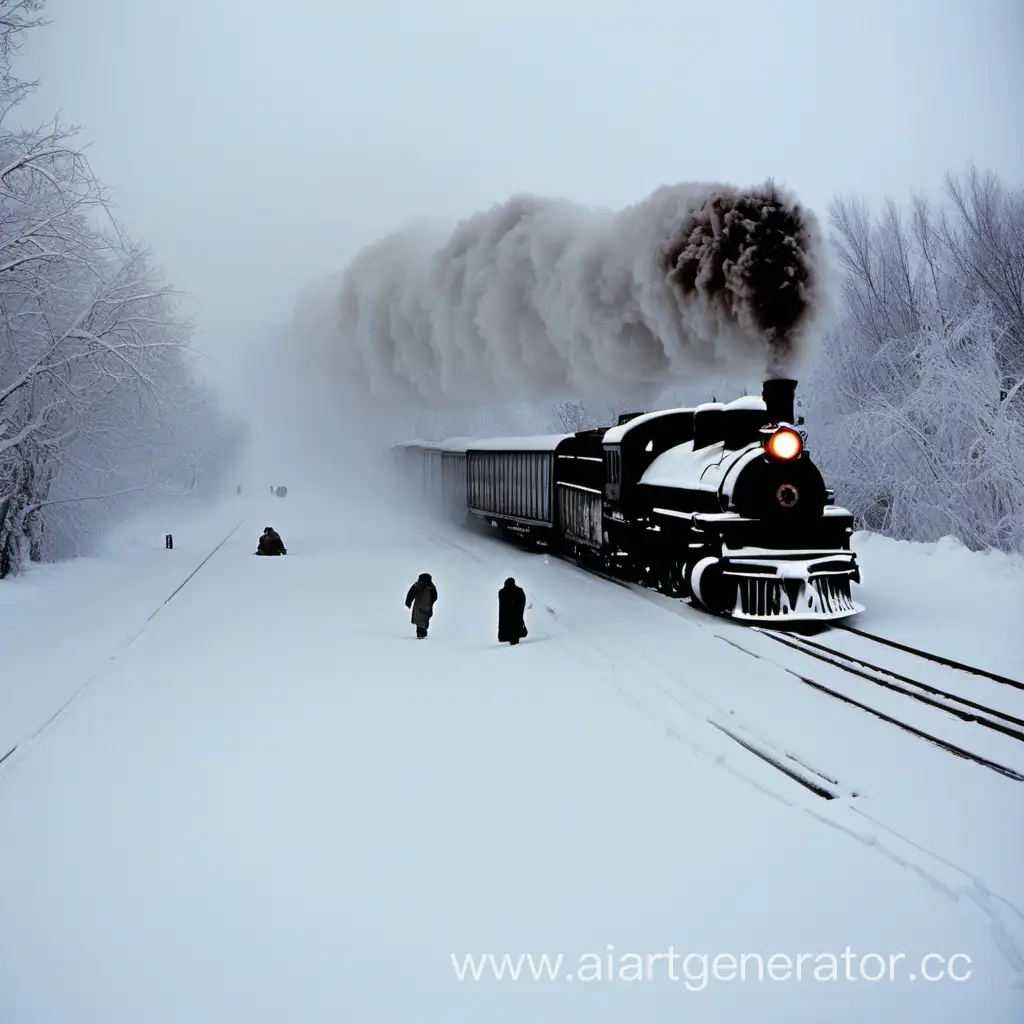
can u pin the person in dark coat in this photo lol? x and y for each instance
(511, 612)
(421, 599)
(271, 543)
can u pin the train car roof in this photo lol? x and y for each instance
(538, 443)
(614, 435)
(455, 444)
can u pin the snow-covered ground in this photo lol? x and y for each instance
(943, 598)
(265, 800)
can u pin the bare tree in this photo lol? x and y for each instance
(917, 402)
(983, 237)
(571, 416)
(96, 397)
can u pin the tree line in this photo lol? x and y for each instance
(916, 405)
(99, 404)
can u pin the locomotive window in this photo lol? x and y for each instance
(612, 461)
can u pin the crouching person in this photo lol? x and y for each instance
(271, 543)
(421, 599)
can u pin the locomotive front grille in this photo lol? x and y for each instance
(833, 593)
(759, 598)
(770, 597)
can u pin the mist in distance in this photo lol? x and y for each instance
(259, 155)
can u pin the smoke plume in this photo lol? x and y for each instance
(539, 298)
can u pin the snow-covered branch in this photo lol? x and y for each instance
(98, 404)
(913, 403)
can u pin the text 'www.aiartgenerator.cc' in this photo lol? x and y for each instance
(697, 970)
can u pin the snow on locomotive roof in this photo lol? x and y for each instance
(751, 402)
(540, 443)
(614, 435)
(681, 465)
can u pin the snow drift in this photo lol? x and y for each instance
(539, 298)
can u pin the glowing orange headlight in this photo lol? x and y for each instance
(784, 444)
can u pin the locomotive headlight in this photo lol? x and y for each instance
(784, 444)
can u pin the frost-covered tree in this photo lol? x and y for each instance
(97, 400)
(916, 404)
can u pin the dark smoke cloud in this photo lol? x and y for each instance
(539, 298)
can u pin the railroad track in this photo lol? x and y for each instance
(927, 656)
(961, 707)
(956, 705)
(28, 741)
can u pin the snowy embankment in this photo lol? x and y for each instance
(274, 803)
(945, 599)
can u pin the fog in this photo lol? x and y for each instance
(260, 148)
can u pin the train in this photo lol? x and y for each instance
(720, 504)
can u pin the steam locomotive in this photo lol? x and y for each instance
(721, 504)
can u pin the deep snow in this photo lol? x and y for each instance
(271, 802)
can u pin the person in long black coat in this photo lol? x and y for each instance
(421, 598)
(511, 612)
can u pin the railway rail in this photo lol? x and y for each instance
(964, 708)
(928, 656)
(957, 705)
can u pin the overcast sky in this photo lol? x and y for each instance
(257, 146)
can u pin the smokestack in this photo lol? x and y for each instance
(780, 397)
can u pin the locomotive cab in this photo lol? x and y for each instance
(631, 447)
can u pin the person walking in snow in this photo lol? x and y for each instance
(511, 613)
(421, 599)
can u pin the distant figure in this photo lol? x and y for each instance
(271, 543)
(421, 599)
(511, 612)
(238, 489)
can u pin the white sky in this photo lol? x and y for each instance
(257, 146)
